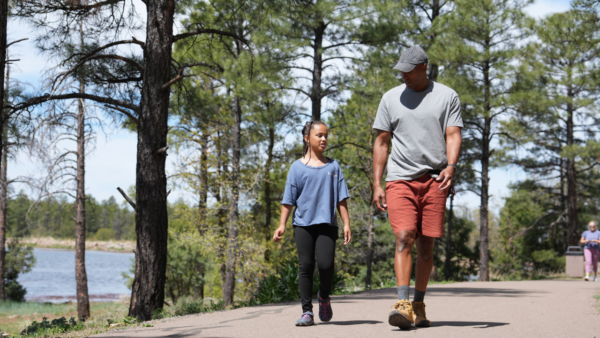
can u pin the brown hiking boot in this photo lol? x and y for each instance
(420, 318)
(401, 314)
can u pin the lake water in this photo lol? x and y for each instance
(52, 279)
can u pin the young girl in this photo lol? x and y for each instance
(316, 187)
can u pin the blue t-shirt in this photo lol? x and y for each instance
(315, 192)
(589, 236)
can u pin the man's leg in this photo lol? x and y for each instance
(432, 226)
(403, 215)
(402, 313)
(424, 265)
(405, 240)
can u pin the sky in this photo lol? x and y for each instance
(112, 163)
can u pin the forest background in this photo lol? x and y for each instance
(241, 92)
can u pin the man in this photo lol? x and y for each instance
(422, 120)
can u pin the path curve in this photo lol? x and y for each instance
(549, 308)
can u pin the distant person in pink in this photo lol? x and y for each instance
(591, 251)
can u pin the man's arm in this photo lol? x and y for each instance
(453, 143)
(380, 156)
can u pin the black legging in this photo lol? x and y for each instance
(321, 237)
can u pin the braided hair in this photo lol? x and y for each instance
(306, 132)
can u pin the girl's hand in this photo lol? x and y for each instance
(347, 234)
(278, 234)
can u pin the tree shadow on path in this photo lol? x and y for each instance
(352, 322)
(445, 291)
(477, 325)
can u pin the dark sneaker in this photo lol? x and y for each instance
(325, 312)
(306, 319)
(401, 315)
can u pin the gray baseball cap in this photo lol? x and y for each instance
(411, 57)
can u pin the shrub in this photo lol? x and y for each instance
(19, 259)
(59, 325)
(284, 284)
(105, 234)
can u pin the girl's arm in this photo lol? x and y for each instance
(286, 209)
(343, 210)
(583, 240)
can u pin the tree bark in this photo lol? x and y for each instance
(232, 240)
(571, 174)
(370, 236)
(3, 26)
(221, 201)
(267, 183)
(484, 255)
(147, 293)
(435, 12)
(316, 94)
(83, 301)
(563, 205)
(203, 198)
(447, 267)
(201, 270)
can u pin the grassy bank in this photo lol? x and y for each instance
(15, 317)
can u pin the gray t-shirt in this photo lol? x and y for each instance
(418, 122)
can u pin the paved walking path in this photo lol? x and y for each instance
(564, 308)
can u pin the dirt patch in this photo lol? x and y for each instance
(53, 243)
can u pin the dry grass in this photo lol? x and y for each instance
(15, 317)
(534, 274)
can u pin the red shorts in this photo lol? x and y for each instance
(417, 205)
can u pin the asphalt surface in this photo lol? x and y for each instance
(561, 308)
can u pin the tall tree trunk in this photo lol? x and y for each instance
(484, 255)
(221, 202)
(232, 240)
(267, 183)
(316, 94)
(3, 57)
(435, 12)
(203, 193)
(83, 301)
(4, 192)
(563, 204)
(447, 267)
(151, 224)
(571, 174)
(202, 203)
(370, 236)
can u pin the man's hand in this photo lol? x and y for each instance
(380, 155)
(446, 175)
(379, 199)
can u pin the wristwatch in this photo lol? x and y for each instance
(453, 165)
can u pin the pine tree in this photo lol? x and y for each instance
(556, 109)
(320, 33)
(481, 42)
(136, 85)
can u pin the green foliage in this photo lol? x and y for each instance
(532, 233)
(56, 326)
(55, 216)
(464, 258)
(186, 265)
(104, 234)
(19, 259)
(282, 285)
